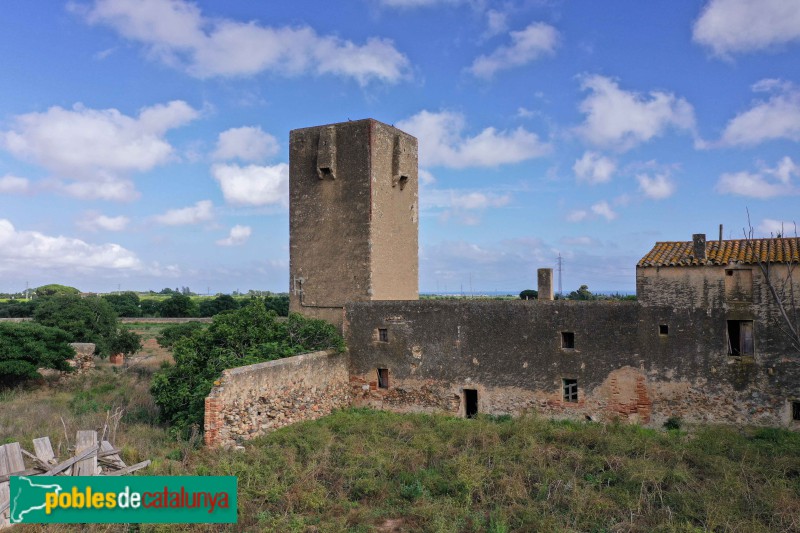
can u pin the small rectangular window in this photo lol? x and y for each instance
(729, 273)
(740, 337)
(796, 411)
(663, 329)
(383, 378)
(383, 334)
(568, 340)
(570, 390)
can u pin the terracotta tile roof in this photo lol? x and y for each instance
(736, 251)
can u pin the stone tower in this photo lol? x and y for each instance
(352, 217)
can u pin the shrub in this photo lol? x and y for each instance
(27, 347)
(125, 304)
(178, 306)
(173, 333)
(89, 319)
(249, 335)
(220, 304)
(673, 422)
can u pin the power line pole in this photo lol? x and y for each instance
(560, 263)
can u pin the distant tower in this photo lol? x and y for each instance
(560, 265)
(353, 219)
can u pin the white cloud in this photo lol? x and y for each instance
(527, 45)
(496, 23)
(465, 207)
(177, 33)
(247, 143)
(199, 212)
(93, 221)
(120, 190)
(416, 3)
(621, 119)
(238, 235)
(463, 200)
(729, 26)
(442, 143)
(96, 149)
(594, 168)
(776, 118)
(604, 210)
(24, 250)
(577, 215)
(774, 227)
(14, 185)
(253, 185)
(658, 187)
(578, 241)
(425, 177)
(765, 183)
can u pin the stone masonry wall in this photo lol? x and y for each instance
(251, 400)
(515, 355)
(84, 357)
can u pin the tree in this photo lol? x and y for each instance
(149, 307)
(528, 294)
(179, 306)
(781, 287)
(175, 332)
(125, 304)
(54, 289)
(89, 319)
(248, 335)
(581, 294)
(27, 347)
(215, 306)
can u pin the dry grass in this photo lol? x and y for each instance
(360, 470)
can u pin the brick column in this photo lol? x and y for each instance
(212, 422)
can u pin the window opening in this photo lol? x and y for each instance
(740, 337)
(383, 334)
(568, 340)
(383, 378)
(570, 389)
(663, 329)
(470, 403)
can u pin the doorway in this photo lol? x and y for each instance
(470, 403)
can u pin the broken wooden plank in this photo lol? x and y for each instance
(29, 472)
(44, 450)
(129, 469)
(40, 465)
(5, 495)
(14, 458)
(114, 458)
(85, 440)
(69, 462)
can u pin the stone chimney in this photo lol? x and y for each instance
(545, 280)
(699, 246)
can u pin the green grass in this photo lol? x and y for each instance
(360, 470)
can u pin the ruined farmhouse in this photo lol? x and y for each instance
(706, 340)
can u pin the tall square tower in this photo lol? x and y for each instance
(353, 217)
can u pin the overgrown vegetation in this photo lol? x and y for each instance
(90, 319)
(25, 348)
(249, 335)
(360, 470)
(174, 332)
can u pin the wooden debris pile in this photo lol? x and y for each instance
(91, 458)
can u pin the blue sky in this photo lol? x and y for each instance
(144, 143)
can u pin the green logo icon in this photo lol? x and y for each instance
(112, 499)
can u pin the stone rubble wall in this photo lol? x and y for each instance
(84, 357)
(251, 400)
